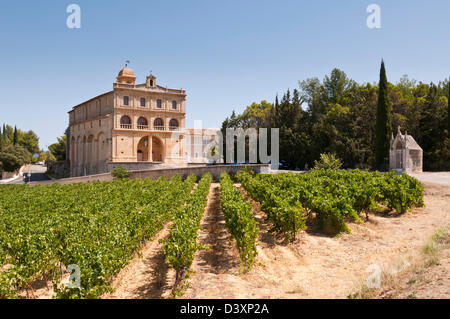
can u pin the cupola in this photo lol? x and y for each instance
(126, 76)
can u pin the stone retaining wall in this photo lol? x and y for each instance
(215, 171)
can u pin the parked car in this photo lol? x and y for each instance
(282, 165)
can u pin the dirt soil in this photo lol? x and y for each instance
(316, 266)
(147, 276)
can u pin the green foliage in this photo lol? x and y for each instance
(448, 108)
(120, 172)
(58, 150)
(331, 196)
(97, 226)
(13, 157)
(181, 244)
(283, 210)
(337, 115)
(328, 161)
(10, 163)
(15, 137)
(1, 140)
(384, 122)
(239, 220)
(401, 192)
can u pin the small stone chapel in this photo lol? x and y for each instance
(405, 153)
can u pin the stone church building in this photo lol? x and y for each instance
(135, 125)
(405, 153)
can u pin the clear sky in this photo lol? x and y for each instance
(226, 54)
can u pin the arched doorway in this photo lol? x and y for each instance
(142, 150)
(157, 150)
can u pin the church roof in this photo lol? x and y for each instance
(411, 143)
(407, 141)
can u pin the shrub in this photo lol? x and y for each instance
(120, 172)
(13, 157)
(328, 161)
(10, 162)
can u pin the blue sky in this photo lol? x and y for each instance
(226, 54)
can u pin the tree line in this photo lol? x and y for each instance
(338, 115)
(18, 148)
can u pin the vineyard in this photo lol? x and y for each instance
(100, 226)
(181, 245)
(239, 220)
(329, 196)
(97, 226)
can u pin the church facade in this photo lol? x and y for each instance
(137, 126)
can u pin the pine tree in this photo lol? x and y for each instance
(15, 135)
(383, 124)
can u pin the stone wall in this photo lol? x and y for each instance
(215, 170)
(133, 166)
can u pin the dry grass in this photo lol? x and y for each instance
(415, 272)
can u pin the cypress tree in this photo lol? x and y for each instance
(15, 135)
(383, 124)
(448, 108)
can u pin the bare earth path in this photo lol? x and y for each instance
(147, 276)
(315, 266)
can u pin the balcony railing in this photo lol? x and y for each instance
(147, 127)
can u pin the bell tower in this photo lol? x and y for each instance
(151, 81)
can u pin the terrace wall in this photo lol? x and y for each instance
(215, 171)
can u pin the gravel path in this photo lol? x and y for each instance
(442, 178)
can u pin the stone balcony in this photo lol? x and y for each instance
(150, 128)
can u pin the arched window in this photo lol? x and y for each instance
(125, 122)
(174, 105)
(142, 102)
(159, 104)
(173, 125)
(126, 100)
(158, 124)
(142, 121)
